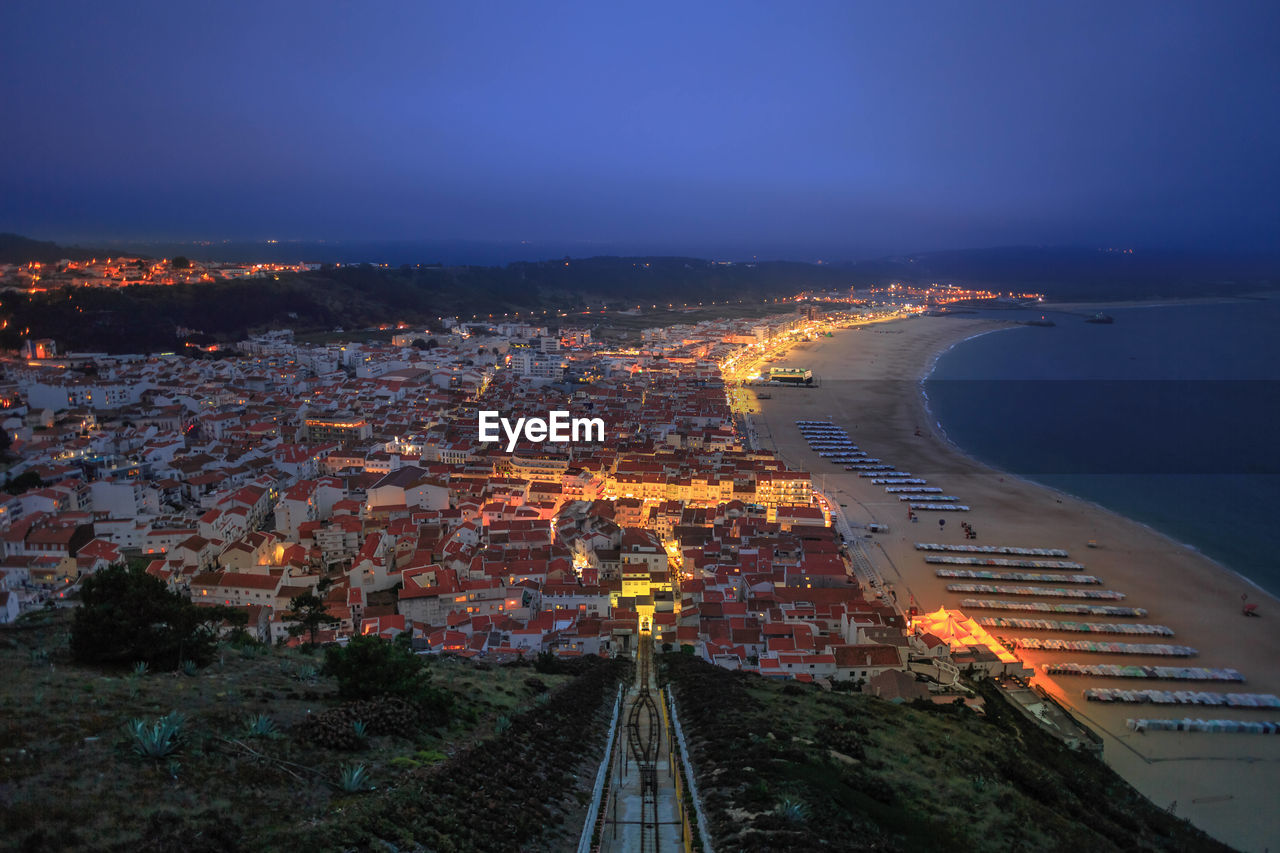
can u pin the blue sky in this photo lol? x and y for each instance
(780, 128)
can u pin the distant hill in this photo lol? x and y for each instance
(1066, 273)
(146, 318)
(16, 249)
(357, 296)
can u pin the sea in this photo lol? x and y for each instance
(1170, 416)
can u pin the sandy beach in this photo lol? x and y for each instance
(1226, 783)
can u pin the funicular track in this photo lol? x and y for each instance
(644, 743)
(643, 809)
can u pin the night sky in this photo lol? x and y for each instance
(789, 129)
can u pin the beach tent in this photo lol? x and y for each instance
(961, 632)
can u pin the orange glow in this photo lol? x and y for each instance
(956, 630)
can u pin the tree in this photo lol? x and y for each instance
(547, 663)
(24, 481)
(370, 666)
(308, 612)
(126, 616)
(180, 262)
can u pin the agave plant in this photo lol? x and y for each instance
(361, 729)
(156, 740)
(503, 723)
(189, 667)
(354, 779)
(261, 725)
(792, 809)
(140, 668)
(305, 673)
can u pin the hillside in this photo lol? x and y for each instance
(148, 318)
(790, 767)
(63, 728)
(780, 766)
(16, 249)
(1083, 274)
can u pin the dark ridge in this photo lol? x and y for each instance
(16, 249)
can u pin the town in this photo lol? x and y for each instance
(357, 469)
(126, 271)
(435, 427)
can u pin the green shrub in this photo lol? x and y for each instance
(127, 616)
(354, 779)
(792, 809)
(156, 740)
(370, 666)
(260, 725)
(546, 663)
(306, 673)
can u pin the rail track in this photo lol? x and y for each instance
(644, 743)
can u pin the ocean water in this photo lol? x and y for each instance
(1170, 416)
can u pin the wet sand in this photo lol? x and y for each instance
(1226, 783)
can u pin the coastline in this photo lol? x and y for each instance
(932, 419)
(872, 383)
(936, 426)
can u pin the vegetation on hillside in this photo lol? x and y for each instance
(368, 666)
(16, 249)
(258, 751)
(128, 617)
(790, 767)
(151, 318)
(525, 790)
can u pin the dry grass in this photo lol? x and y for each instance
(69, 778)
(787, 767)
